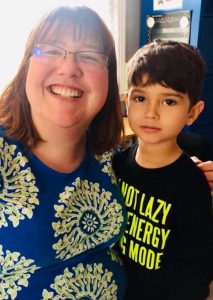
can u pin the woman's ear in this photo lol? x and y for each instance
(126, 101)
(126, 97)
(195, 111)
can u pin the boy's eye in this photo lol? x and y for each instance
(139, 99)
(169, 102)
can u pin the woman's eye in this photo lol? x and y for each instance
(169, 102)
(139, 99)
(87, 57)
(53, 53)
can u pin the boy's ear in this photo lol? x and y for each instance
(195, 111)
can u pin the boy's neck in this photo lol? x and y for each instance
(157, 156)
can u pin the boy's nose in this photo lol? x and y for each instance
(152, 111)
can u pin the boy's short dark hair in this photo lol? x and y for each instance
(173, 64)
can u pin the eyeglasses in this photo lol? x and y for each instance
(89, 60)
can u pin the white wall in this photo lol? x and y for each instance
(133, 11)
(17, 18)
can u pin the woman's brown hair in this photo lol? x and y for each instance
(106, 129)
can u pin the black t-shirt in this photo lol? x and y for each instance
(167, 245)
(195, 145)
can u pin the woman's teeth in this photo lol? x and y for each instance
(66, 92)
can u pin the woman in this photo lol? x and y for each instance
(60, 210)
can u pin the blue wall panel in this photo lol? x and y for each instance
(193, 5)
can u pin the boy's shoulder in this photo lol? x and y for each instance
(189, 175)
(124, 158)
(195, 145)
(186, 164)
(183, 169)
(124, 153)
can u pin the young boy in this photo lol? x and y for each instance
(167, 245)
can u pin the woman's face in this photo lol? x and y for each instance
(66, 93)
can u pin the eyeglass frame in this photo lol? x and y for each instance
(66, 52)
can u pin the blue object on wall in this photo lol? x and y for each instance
(169, 25)
(194, 6)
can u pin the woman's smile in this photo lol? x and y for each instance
(65, 91)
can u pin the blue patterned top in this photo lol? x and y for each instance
(56, 229)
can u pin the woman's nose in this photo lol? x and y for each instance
(69, 65)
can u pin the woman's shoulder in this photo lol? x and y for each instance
(2, 131)
(9, 143)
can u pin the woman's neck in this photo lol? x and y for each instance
(63, 153)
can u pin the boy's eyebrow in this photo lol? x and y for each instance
(167, 94)
(136, 89)
(174, 94)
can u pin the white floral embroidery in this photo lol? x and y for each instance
(87, 215)
(115, 256)
(90, 222)
(89, 282)
(18, 193)
(14, 273)
(106, 160)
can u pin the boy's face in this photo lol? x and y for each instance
(157, 114)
